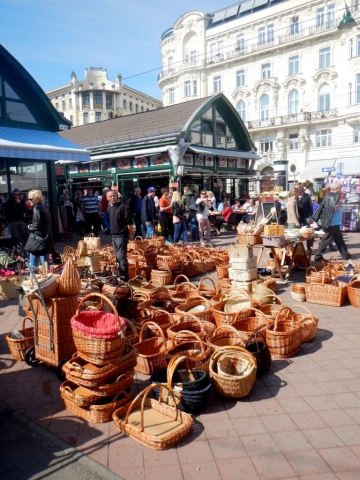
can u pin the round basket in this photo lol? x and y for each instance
(162, 301)
(207, 291)
(190, 323)
(184, 292)
(226, 336)
(270, 309)
(308, 322)
(163, 319)
(260, 350)
(298, 292)
(163, 277)
(256, 322)
(222, 270)
(152, 288)
(228, 382)
(260, 291)
(18, 346)
(284, 336)
(236, 300)
(187, 263)
(151, 352)
(198, 307)
(354, 291)
(198, 352)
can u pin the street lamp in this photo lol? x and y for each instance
(347, 21)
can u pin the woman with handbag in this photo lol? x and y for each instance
(39, 243)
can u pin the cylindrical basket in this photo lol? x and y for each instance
(284, 336)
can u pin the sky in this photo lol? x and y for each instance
(50, 38)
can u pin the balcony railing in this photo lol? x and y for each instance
(294, 118)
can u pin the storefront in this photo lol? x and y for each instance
(202, 143)
(29, 146)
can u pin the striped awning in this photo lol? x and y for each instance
(29, 144)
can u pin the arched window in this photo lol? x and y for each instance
(241, 109)
(264, 107)
(293, 102)
(324, 97)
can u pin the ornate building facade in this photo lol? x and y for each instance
(291, 73)
(96, 98)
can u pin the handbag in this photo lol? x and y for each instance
(36, 244)
(92, 241)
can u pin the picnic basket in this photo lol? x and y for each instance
(189, 344)
(151, 352)
(164, 277)
(308, 322)
(354, 291)
(198, 307)
(18, 346)
(226, 336)
(152, 422)
(284, 335)
(298, 292)
(206, 290)
(256, 321)
(237, 374)
(332, 295)
(190, 322)
(98, 335)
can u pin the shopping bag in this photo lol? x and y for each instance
(92, 241)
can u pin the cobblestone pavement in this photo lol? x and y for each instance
(301, 420)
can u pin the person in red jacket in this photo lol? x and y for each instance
(224, 217)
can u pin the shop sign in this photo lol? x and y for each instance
(94, 167)
(162, 159)
(328, 169)
(105, 165)
(141, 162)
(123, 163)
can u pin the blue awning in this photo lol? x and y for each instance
(39, 145)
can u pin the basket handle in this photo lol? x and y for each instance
(243, 292)
(229, 349)
(206, 278)
(75, 366)
(141, 296)
(189, 286)
(121, 285)
(137, 277)
(172, 366)
(189, 332)
(306, 309)
(354, 279)
(157, 327)
(254, 335)
(163, 293)
(287, 311)
(119, 320)
(24, 321)
(120, 377)
(144, 394)
(229, 328)
(131, 325)
(278, 299)
(194, 318)
(180, 276)
(155, 283)
(161, 312)
(309, 269)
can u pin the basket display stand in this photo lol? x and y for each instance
(243, 266)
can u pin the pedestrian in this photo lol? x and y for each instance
(292, 209)
(179, 218)
(148, 214)
(304, 206)
(40, 231)
(79, 219)
(166, 223)
(189, 202)
(202, 216)
(329, 217)
(62, 197)
(121, 230)
(135, 210)
(15, 211)
(104, 211)
(91, 212)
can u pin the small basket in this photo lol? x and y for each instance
(9, 287)
(354, 291)
(198, 351)
(333, 295)
(222, 271)
(249, 239)
(18, 346)
(308, 322)
(163, 277)
(226, 336)
(191, 323)
(198, 307)
(243, 263)
(207, 291)
(274, 229)
(151, 352)
(284, 336)
(240, 251)
(298, 292)
(243, 275)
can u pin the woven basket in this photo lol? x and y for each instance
(101, 411)
(144, 413)
(18, 346)
(48, 284)
(115, 385)
(164, 277)
(259, 291)
(165, 262)
(198, 351)
(260, 351)
(69, 282)
(228, 383)
(256, 322)
(354, 291)
(240, 263)
(243, 275)
(163, 319)
(267, 282)
(223, 317)
(77, 394)
(183, 293)
(137, 243)
(188, 265)
(190, 323)
(9, 287)
(152, 288)
(207, 291)
(284, 336)
(270, 309)
(298, 292)
(198, 307)
(249, 239)
(144, 270)
(91, 341)
(224, 282)
(308, 322)
(163, 301)
(151, 352)
(315, 276)
(240, 251)
(222, 270)
(226, 336)
(333, 295)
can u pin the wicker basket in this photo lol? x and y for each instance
(18, 346)
(98, 336)
(198, 307)
(315, 276)
(207, 291)
(230, 383)
(224, 282)
(163, 301)
(151, 352)
(190, 323)
(249, 239)
(240, 251)
(144, 270)
(274, 229)
(256, 322)
(222, 271)
(226, 336)
(259, 291)
(308, 322)
(101, 411)
(152, 423)
(270, 309)
(183, 293)
(243, 275)
(137, 243)
(198, 351)
(69, 282)
(163, 319)
(354, 291)
(261, 352)
(298, 292)
(333, 295)
(48, 284)
(284, 336)
(188, 265)
(9, 287)
(115, 385)
(77, 394)
(163, 277)
(240, 263)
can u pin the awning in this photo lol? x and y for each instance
(39, 145)
(314, 168)
(347, 166)
(131, 153)
(224, 153)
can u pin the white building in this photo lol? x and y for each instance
(292, 75)
(96, 98)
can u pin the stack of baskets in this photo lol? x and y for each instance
(99, 377)
(243, 268)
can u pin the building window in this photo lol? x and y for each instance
(240, 78)
(57, 106)
(294, 65)
(324, 60)
(217, 84)
(216, 50)
(171, 95)
(110, 115)
(351, 48)
(70, 102)
(63, 105)
(98, 100)
(293, 141)
(265, 70)
(240, 42)
(325, 17)
(170, 63)
(86, 118)
(293, 102)
(264, 107)
(357, 134)
(241, 110)
(97, 116)
(124, 104)
(109, 101)
(323, 138)
(190, 57)
(130, 106)
(294, 25)
(324, 97)
(187, 88)
(86, 100)
(331, 16)
(350, 93)
(136, 108)
(266, 145)
(142, 108)
(358, 45)
(195, 87)
(266, 34)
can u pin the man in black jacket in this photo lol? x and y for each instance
(329, 217)
(148, 215)
(121, 229)
(15, 210)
